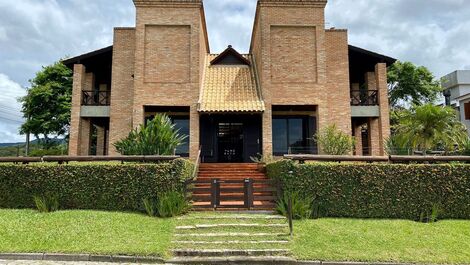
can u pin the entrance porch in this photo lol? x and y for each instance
(230, 138)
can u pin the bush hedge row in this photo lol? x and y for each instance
(379, 190)
(91, 186)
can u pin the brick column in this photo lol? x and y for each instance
(79, 80)
(194, 143)
(100, 141)
(358, 138)
(267, 130)
(376, 148)
(85, 131)
(370, 81)
(384, 119)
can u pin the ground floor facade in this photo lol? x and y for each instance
(234, 137)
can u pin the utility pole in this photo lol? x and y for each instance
(26, 152)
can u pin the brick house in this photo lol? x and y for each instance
(298, 77)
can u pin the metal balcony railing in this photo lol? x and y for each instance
(364, 98)
(96, 98)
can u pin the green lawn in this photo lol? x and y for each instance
(382, 240)
(84, 232)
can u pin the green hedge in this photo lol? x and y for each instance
(379, 190)
(91, 186)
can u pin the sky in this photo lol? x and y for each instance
(35, 33)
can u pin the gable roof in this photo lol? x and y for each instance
(230, 88)
(230, 56)
(103, 53)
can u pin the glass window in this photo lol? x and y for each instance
(280, 136)
(292, 135)
(182, 124)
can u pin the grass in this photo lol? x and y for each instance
(382, 240)
(90, 232)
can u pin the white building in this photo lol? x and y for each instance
(457, 93)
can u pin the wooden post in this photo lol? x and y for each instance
(215, 193)
(289, 209)
(248, 193)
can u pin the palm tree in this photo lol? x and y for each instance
(428, 126)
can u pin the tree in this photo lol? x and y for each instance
(333, 141)
(409, 84)
(428, 126)
(157, 137)
(47, 103)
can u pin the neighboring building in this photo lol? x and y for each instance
(457, 94)
(297, 78)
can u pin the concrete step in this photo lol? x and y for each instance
(234, 217)
(228, 252)
(205, 226)
(235, 242)
(231, 234)
(259, 260)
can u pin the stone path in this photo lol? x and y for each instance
(230, 237)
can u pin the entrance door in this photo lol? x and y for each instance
(230, 142)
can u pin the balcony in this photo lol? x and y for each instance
(95, 104)
(364, 98)
(96, 98)
(365, 104)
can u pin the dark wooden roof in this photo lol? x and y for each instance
(230, 56)
(92, 60)
(362, 61)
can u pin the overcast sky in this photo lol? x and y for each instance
(33, 33)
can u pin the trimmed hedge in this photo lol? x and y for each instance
(379, 190)
(91, 186)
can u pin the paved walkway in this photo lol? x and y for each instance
(43, 262)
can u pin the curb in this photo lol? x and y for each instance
(158, 260)
(81, 258)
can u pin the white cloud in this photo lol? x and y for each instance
(10, 114)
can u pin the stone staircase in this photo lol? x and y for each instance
(231, 177)
(231, 238)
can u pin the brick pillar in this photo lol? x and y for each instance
(267, 131)
(370, 81)
(358, 138)
(376, 148)
(384, 119)
(85, 131)
(100, 141)
(79, 80)
(194, 143)
(323, 120)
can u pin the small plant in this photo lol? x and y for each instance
(301, 206)
(47, 203)
(432, 216)
(150, 206)
(171, 204)
(333, 141)
(262, 158)
(157, 137)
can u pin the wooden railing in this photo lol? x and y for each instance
(67, 159)
(377, 159)
(96, 98)
(364, 97)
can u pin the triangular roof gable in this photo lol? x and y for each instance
(230, 57)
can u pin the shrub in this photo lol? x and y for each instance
(262, 158)
(150, 206)
(379, 190)
(333, 141)
(91, 186)
(172, 203)
(301, 205)
(47, 203)
(157, 137)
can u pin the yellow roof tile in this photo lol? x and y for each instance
(230, 88)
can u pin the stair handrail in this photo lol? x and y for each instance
(196, 166)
